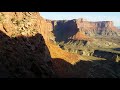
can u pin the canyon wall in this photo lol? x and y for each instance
(25, 38)
(75, 29)
(63, 30)
(100, 25)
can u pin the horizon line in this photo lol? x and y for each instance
(83, 20)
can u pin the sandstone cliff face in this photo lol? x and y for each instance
(25, 23)
(63, 29)
(105, 28)
(69, 29)
(84, 24)
(23, 52)
(46, 29)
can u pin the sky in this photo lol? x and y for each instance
(90, 16)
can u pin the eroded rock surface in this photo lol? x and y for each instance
(23, 52)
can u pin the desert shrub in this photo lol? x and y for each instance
(18, 22)
(13, 35)
(13, 19)
(1, 18)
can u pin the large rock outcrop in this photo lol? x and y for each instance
(81, 29)
(23, 52)
(105, 28)
(64, 29)
(100, 25)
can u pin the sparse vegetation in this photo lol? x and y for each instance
(13, 19)
(18, 22)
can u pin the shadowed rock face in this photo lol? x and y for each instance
(69, 29)
(24, 57)
(63, 30)
(105, 54)
(23, 52)
(87, 69)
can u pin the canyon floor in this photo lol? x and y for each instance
(72, 64)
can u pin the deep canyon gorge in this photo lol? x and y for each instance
(34, 47)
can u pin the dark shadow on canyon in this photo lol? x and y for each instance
(64, 30)
(116, 49)
(24, 57)
(87, 69)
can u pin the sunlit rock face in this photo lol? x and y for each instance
(23, 52)
(87, 25)
(68, 29)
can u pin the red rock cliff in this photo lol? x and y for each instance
(66, 29)
(101, 25)
(23, 52)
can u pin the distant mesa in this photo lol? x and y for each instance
(65, 29)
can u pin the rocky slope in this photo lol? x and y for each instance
(23, 52)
